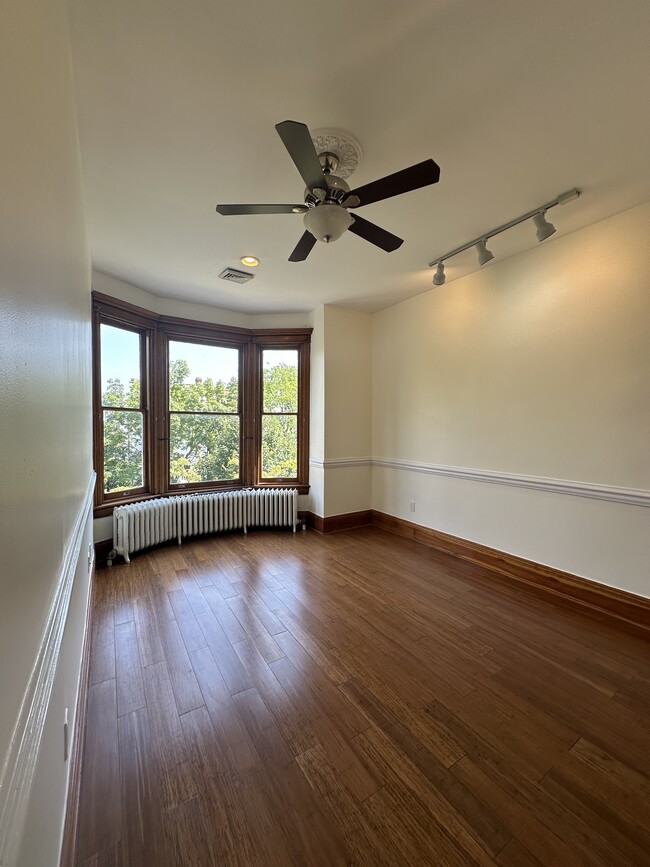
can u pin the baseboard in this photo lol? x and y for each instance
(337, 522)
(627, 607)
(69, 844)
(102, 550)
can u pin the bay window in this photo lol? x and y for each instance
(184, 406)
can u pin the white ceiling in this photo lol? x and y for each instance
(516, 100)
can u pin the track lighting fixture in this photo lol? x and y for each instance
(484, 255)
(544, 228)
(538, 216)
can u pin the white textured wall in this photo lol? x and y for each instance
(45, 422)
(538, 365)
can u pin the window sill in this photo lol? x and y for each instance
(106, 509)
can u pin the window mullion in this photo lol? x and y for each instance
(250, 414)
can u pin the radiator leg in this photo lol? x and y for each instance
(126, 557)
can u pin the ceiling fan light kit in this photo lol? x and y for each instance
(328, 222)
(538, 216)
(324, 160)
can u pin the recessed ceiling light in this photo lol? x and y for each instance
(250, 261)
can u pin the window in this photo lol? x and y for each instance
(122, 411)
(183, 406)
(279, 413)
(204, 413)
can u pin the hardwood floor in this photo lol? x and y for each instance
(356, 699)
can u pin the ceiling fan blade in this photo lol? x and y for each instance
(297, 140)
(420, 175)
(303, 248)
(375, 234)
(229, 210)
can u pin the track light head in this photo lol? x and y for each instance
(439, 276)
(484, 255)
(544, 228)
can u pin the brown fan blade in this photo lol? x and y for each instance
(229, 210)
(297, 140)
(375, 234)
(303, 248)
(420, 175)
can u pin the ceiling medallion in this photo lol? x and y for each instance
(343, 145)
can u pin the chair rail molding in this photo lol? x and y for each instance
(19, 763)
(629, 496)
(340, 463)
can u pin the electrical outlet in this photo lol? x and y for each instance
(411, 505)
(65, 736)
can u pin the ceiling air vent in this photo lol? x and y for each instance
(234, 276)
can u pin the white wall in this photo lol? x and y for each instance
(316, 500)
(347, 411)
(537, 366)
(202, 312)
(45, 422)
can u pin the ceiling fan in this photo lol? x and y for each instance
(328, 197)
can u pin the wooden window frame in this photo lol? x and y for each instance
(156, 330)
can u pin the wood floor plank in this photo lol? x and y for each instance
(235, 745)
(292, 720)
(305, 823)
(146, 626)
(170, 747)
(224, 614)
(102, 645)
(99, 823)
(186, 620)
(186, 690)
(141, 817)
(232, 671)
(130, 688)
(271, 700)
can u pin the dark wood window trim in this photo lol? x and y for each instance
(156, 330)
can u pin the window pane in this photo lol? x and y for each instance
(203, 378)
(279, 447)
(280, 372)
(203, 448)
(123, 467)
(120, 366)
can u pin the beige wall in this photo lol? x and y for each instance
(201, 312)
(45, 429)
(537, 366)
(347, 405)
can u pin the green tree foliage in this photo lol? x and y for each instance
(279, 432)
(122, 437)
(202, 447)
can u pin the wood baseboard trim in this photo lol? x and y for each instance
(69, 843)
(626, 607)
(102, 550)
(334, 523)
